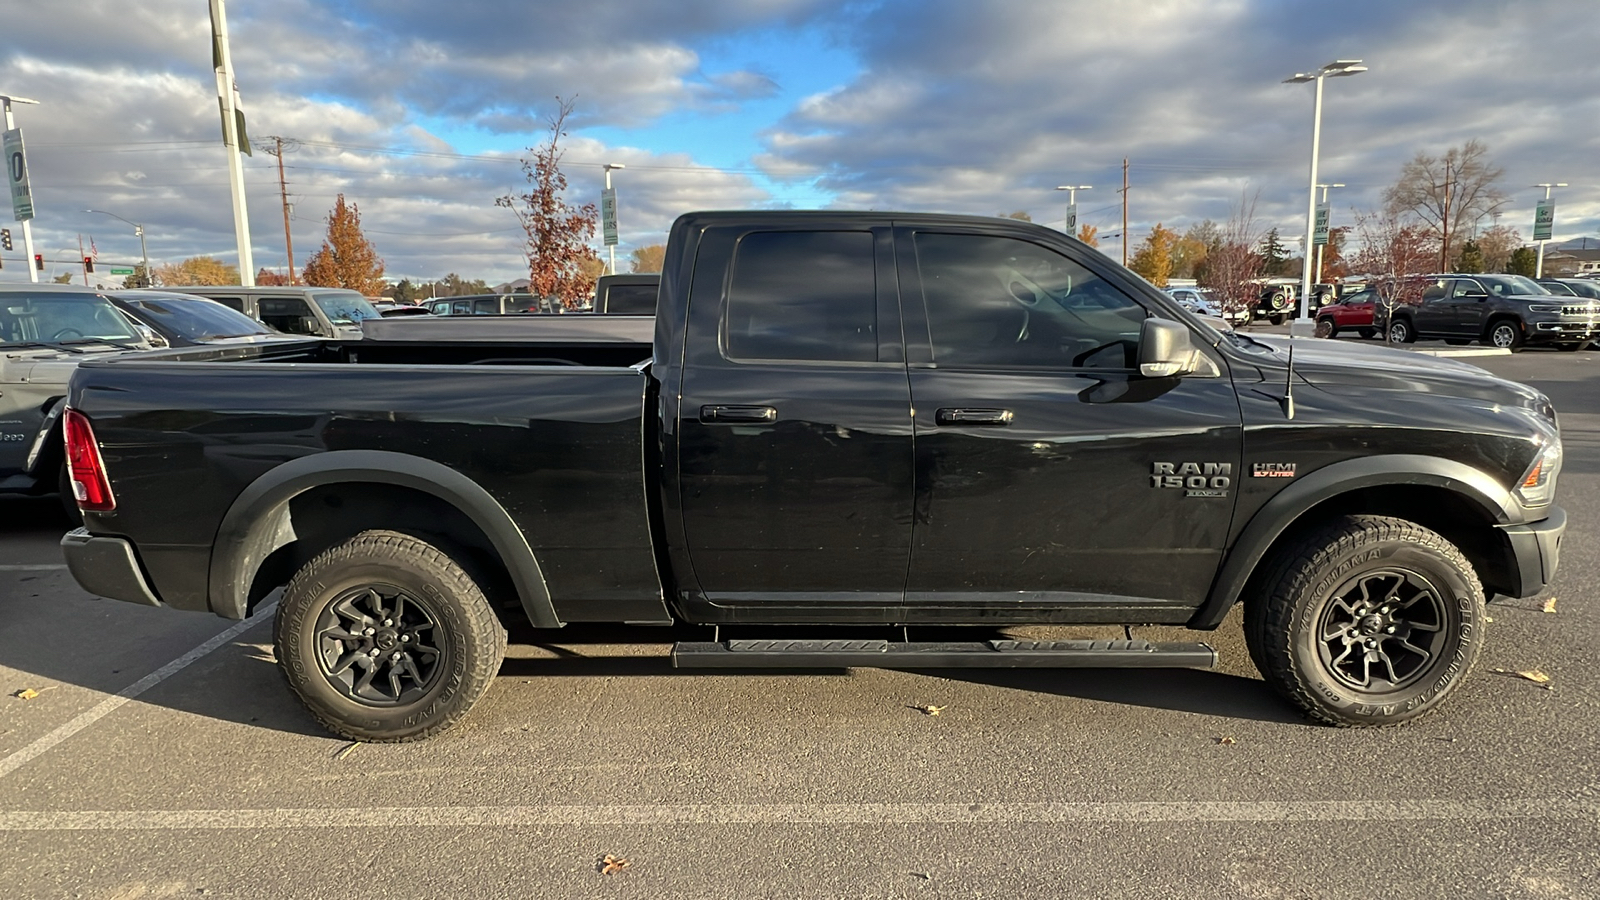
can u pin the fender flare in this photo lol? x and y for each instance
(1284, 509)
(257, 523)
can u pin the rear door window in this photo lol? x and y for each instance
(802, 295)
(290, 315)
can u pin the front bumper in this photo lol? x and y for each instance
(107, 567)
(1536, 550)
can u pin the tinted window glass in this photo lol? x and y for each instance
(1434, 291)
(60, 316)
(489, 306)
(631, 299)
(803, 295)
(1004, 302)
(522, 303)
(289, 315)
(195, 318)
(234, 303)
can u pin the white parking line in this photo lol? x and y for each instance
(41, 568)
(799, 813)
(106, 706)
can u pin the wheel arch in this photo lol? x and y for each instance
(1460, 502)
(254, 540)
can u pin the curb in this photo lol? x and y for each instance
(1474, 351)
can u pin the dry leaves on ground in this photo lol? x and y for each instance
(930, 710)
(1226, 739)
(609, 864)
(30, 693)
(1533, 675)
(1550, 605)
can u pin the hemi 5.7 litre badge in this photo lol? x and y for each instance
(1194, 479)
(1272, 470)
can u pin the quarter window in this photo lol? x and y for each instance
(289, 315)
(803, 295)
(996, 301)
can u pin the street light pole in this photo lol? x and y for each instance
(137, 230)
(1335, 69)
(1538, 268)
(612, 247)
(1330, 227)
(27, 228)
(1070, 224)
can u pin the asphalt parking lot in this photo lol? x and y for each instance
(163, 756)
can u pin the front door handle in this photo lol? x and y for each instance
(723, 415)
(956, 416)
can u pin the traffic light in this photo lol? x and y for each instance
(88, 265)
(38, 261)
(5, 238)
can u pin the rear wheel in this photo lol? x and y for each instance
(1400, 332)
(385, 638)
(1368, 333)
(1276, 319)
(1370, 621)
(1504, 333)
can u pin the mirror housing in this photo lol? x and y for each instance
(1165, 350)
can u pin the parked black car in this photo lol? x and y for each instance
(1505, 311)
(1572, 287)
(184, 320)
(835, 421)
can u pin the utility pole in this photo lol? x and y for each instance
(232, 118)
(27, 229)
(1124, 193)
(283, 193)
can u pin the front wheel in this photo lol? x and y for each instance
(1400, 332)
(385, 638)
(1370, 621)
(1276, 319)
(1505, 334)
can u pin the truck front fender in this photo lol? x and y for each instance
(258, 522)
(1294, 501)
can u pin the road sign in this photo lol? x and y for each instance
(1072, 219)
(608, 216)
(122, 271)
(16, 163)
(1544, 220)
(1319, 234)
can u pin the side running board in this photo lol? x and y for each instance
(798, 654)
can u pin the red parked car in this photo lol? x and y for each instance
(1354, 311)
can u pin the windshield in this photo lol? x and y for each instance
(27, 317)
(1503, 285)
(193, 318)
(345, 307)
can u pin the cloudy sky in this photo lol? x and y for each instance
(418, 112)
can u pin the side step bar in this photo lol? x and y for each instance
(786, 654)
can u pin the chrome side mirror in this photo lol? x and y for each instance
(1165, 350)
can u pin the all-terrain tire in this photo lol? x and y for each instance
(400, 614)
(1369, 621)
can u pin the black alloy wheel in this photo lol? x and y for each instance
(385, 637)
(1369, 621)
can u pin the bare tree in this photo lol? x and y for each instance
(561, 264)
(649, 259)
(1448, 194)
(1391, 254)
(1497, 245)
(1233, 267)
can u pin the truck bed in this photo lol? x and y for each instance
(559, 446)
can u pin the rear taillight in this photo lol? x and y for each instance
(90, 487)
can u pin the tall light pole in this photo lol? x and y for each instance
(138, 230)
(1336, 69)
(1071, 224)
(27, 229)
(1329, 224)
(1538, 268)
(608, 210)
(232, 139)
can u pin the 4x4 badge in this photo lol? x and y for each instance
(1272, 470)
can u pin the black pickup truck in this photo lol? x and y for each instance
(898, 423)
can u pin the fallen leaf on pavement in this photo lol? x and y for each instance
(1533, 675)
(610, 864)
(26, 694)
(1226, 739)
(1550, 605)
(930, 710)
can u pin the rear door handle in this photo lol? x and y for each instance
(958, 416)
(722, 415)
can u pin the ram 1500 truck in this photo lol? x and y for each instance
(876, 420)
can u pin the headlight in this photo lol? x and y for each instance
(1538, 484)
(1543, 307)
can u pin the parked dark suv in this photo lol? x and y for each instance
(1499, 310)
